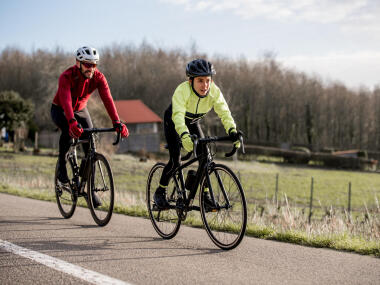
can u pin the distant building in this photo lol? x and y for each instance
(143, 125)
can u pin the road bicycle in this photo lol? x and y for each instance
(226, 221)
(95, 171)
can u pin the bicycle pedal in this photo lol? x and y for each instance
(212, 209)
(156, 208)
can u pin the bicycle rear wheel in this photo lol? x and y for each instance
(226, 223)
(101, 189)
(66, 200)
(165, 222)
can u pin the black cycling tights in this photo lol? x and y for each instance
(58, 116)
(174, 144)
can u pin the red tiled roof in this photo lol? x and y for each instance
(135, 111)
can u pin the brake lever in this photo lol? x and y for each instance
(242, 144)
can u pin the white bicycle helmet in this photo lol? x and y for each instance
(87, 54)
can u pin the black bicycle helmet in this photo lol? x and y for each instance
(199, 67)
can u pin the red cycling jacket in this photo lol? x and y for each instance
(74, 90)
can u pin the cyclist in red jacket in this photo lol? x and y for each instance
(69, 111)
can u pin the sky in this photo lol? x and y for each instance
(334, 40)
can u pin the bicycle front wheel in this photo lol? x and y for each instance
(66, 200)
(100, 190)
(227, 222)
(166, 221)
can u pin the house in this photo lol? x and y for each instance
(143, 124)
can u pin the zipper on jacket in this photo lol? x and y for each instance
(196, 109)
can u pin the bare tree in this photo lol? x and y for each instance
(270, 103)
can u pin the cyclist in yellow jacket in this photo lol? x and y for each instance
(191, 101)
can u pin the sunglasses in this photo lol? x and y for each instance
(88, 65)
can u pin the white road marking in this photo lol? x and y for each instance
(60, 265)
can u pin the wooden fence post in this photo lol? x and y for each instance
(36, 149)
(276, 192)
(311, 199)
(349, 201)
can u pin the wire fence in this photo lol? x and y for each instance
(314, 197)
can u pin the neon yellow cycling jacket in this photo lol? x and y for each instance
(186, 104)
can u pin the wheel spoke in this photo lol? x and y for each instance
(101, 173)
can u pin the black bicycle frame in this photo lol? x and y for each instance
(89, 156)
(203, 169)
(205, 164)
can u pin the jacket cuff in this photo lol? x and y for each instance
(184, 133)
(231, 129)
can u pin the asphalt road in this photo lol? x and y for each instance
(128, 249)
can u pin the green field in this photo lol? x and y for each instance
(258, 180)
(28, 175)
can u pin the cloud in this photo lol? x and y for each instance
(353, 69)
(355, 26)
(317, 11)
(354, 18)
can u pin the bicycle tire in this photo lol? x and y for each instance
(101, 184)
(66, 200)
(165, 222)
(225, 226)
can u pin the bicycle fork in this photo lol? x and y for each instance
(222, 189)
(102, 175)
(221, 185)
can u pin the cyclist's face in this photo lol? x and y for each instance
(202, 84)
(87, 72)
